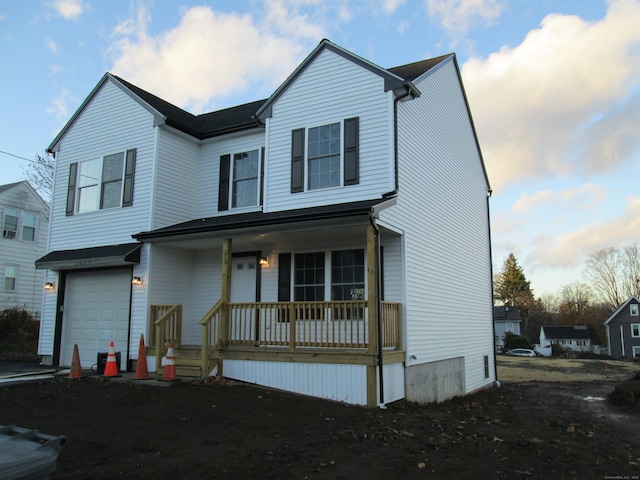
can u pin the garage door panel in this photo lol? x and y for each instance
(96, 312)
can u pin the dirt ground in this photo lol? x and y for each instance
(534, 428)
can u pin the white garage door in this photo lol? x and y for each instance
(96, 311)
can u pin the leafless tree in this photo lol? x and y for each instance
(39, 173)
(614, 274)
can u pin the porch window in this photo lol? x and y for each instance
(101, 183)
(308, 277)
(635, 330)
(347, 275)
(10, 276)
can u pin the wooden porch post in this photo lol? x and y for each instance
(372, 318)
(223, 333)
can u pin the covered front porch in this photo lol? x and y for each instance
(233, 302)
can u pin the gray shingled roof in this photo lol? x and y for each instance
(578, 332)
(507, 314)
(411, 71)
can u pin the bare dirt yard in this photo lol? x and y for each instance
(549, 419)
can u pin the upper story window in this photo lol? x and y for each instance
(328, 158)
(635, 330)
(19, 225)
(633, 309)
(240, 182)
(101, 183)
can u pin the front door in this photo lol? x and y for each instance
(243, 322)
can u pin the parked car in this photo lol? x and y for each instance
(522, 352)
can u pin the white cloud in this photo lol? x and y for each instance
(534, 105)
(390, 6)
(569, 249)
(51, 45)
(2, 16)
(457, 16)
(68, 9)
(210, 54)
(60, 104)
(585, 196)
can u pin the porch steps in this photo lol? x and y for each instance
(188, 360)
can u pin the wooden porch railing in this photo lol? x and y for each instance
(167, 327)
(336, 324)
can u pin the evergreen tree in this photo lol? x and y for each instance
(511, 288)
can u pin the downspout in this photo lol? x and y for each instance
(409, 92)
(378, 307)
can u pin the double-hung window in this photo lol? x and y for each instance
(635, 330)
(633, 309)
(10, 276)
(101, 183)
(240, 181)
(10, 223)
(325, 156)
(19, 225)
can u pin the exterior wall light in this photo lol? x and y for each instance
(136, 281)
(264, 261)
(50, 286)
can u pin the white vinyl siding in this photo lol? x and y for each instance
(22, 252)
(111, 122)
(442, 207)
(209, 168)
(330, 90)
(176, 187)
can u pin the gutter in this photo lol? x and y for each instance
(493, 319)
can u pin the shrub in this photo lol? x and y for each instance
(18, 333)
(512, 341)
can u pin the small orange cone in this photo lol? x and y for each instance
(169, 371)
(111, 368)
(76, 369)
(142, 371)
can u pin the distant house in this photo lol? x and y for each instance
(623, 330)
(506, 319)
(25, 225)
(571, 338)
(310, 242)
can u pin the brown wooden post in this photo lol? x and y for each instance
(372, 318)
(223, 332)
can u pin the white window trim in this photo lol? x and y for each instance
(306, 157)
(76, 207)
(20, 225)
(231, 183)
(633, 309)
(637, 325)
(635, 351)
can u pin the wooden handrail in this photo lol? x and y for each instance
(210, 335)
(167, 328)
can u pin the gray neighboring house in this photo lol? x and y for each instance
(571, 338)
(25, 226)
(623, 330)
(506, 319)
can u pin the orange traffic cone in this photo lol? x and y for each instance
(76, 369)
(169, 371)
(111, 368)
(142, 371)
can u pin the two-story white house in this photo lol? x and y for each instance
(311, 242)
(25, 224)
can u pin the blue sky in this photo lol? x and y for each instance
(554, 89)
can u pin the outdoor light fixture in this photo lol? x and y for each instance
(136, 281)
(264, 261)
(49, 286)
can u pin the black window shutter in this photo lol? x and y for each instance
(262, 176)
(223, 186)
(71, 188)
(297, 160)
(129, 171)
(351, 151)
(284, 277)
